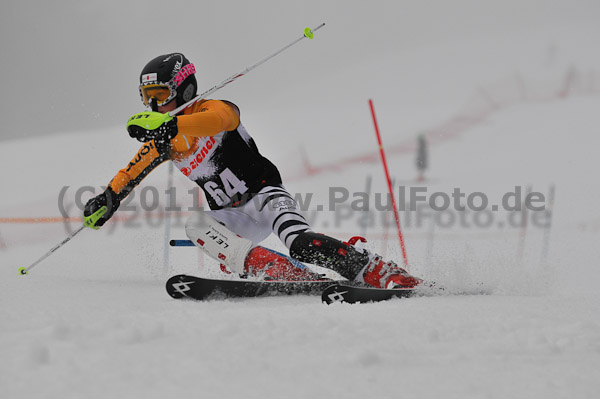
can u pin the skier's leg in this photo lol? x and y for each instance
(230, 236)
(329, 252)
(217, 240)
(274, 210)
(277, 208)
(344, 258)
(240, 223)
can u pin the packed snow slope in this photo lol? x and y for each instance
(502, 109)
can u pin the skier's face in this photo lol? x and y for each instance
(163, 109)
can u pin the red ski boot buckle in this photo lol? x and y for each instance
(355, 239)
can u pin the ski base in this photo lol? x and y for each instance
(337, 293)
(184, 286)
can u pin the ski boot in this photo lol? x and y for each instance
(350, 261)
(273, 266)
(380, 274)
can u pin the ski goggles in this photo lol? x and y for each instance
(163, 93)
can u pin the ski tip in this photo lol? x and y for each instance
(22, 271)
(335, 293)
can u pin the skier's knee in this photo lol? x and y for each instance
(218, 241)
(329, 252)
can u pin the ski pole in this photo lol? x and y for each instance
(88, 221)
(181, 243)
(168, 219)
(25, 270)
(308, 33)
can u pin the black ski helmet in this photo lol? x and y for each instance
(174, 71)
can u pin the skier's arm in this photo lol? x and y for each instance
(150, 155)
(205, 118)
(208, 118)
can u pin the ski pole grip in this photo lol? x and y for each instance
(90, 221)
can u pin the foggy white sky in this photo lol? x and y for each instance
(73, 65)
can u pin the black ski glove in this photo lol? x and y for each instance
(164, 132)
(93, 215)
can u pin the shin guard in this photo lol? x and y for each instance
(328, 252)
(218, 241)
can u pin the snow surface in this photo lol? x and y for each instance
(94, 321)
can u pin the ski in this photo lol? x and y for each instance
(184, 286)
(349, 293)
(337, 292)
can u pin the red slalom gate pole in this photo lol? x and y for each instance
(389, 182)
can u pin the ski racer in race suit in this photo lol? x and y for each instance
(209, 144)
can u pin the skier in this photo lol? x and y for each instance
(208, 144)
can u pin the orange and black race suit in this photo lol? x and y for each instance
(213, 149)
